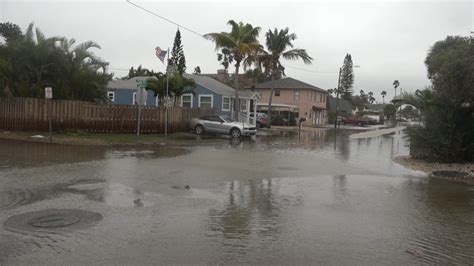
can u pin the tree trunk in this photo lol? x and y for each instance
(236, 87)
(270, 102)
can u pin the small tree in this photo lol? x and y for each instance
(395, 84)
(197, 70)
(347, 78)
(389, 111)
(177, 54)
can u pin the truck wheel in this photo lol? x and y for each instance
(199, 130)
(235, 133)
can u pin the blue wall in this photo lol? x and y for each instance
(125, 96)
(217, 99)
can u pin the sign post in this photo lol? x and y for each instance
(141, 97)
(48, 94)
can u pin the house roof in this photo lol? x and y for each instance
(375, 107)
(125, 84)
(288, 83)
(344, 105)
(219, 87)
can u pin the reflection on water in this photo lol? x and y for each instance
(283, 198)
(16, 153)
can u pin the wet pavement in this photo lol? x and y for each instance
(283, 198)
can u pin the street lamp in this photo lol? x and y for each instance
(337, 93)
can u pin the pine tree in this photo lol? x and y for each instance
(177, 54)
(347, 78)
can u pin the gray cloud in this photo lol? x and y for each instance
(388, 40)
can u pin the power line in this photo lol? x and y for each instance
(313, 71)
(201, 35)
(165, 19)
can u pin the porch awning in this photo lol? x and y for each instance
(278, 106)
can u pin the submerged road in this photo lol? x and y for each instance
(281, 199)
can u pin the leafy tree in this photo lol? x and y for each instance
(409, 112)
(370, 97)
(139, 72)
(257, 75)
(390, 111)
(177, 54)
(178, 85)
(279, 45)
(347, 78)
(225, 57)
(197, 70)
(10, 31)
(240, 43)
(448, 109)
(384, 93)
(30, 61)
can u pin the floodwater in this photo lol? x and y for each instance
(283, 198)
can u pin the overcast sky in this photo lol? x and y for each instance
(387, 40)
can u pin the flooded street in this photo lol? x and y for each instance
(281, 199)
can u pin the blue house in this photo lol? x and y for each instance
(125, 92)
(212, 93)
(208, 93)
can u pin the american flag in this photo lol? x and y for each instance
(160, 54)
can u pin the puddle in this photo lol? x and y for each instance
(156, 152)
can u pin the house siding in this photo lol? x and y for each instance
(125, 96)
(216, 101)
(307, 99)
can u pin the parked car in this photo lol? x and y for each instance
(262, 119)
(355, 120)
(216, 124)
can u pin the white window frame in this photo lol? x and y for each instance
(113, 96)
(226, 97)
(186, 94)
(296, 93)
(206, 95)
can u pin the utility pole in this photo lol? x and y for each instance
(167, 93)
(337, 96)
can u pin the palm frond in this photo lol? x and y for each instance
(296, 54)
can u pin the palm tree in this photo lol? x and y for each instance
(278, 42)
(371, 97)
(178, 85)
(384, 93)
(240, 43)
(395, 84)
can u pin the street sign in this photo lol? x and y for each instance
(141, 96)
(141, 83)
(48, 93)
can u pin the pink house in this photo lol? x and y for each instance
(307, 100)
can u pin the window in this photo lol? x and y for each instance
(296, 95)
(111, 96)
(277, 92)
(243, 105)
(225, 103)
(205, 101)
(187, 100)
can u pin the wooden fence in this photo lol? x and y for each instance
(31, 114)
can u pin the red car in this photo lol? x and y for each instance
(355, 120)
